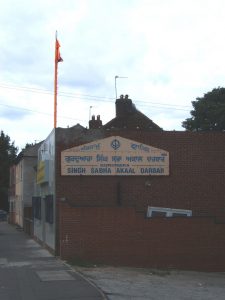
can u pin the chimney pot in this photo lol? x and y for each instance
(95, 123)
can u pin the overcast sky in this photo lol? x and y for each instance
(172, 52)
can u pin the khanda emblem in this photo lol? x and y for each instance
(115, 144)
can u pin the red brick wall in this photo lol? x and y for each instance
(121, 236)
(92, 223)
(196, 180)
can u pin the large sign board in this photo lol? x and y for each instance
(114, 156)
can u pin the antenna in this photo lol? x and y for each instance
(115, 83)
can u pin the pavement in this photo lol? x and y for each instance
(123, 283)
(29, 272)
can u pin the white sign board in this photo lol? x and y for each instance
(114, 156)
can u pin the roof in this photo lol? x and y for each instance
(30, 151)
(128, 117)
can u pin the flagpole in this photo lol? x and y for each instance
(55, 81)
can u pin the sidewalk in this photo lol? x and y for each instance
(29, 272)
(123, 283)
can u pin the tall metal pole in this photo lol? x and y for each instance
(115, 86)
(90, 112)
(55, 81)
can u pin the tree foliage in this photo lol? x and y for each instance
(208, 113)
(7, 158)
(27, 146)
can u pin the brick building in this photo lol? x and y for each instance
(164, 209)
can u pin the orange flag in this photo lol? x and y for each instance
(58, 57)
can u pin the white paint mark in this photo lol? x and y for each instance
(19, 264)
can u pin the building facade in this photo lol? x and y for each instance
(129, 193)
(12, 194)
(22, 185)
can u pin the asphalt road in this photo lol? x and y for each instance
(29, 272)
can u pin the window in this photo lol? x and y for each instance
(36, 207)
(158, 214)
(49, 209)
(167, 212)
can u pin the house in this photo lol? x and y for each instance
(129, 193)
(22, 185)
(12, 194)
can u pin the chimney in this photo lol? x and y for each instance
(95, 123)
(124, 106)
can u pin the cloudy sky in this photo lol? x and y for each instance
(171, 51)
